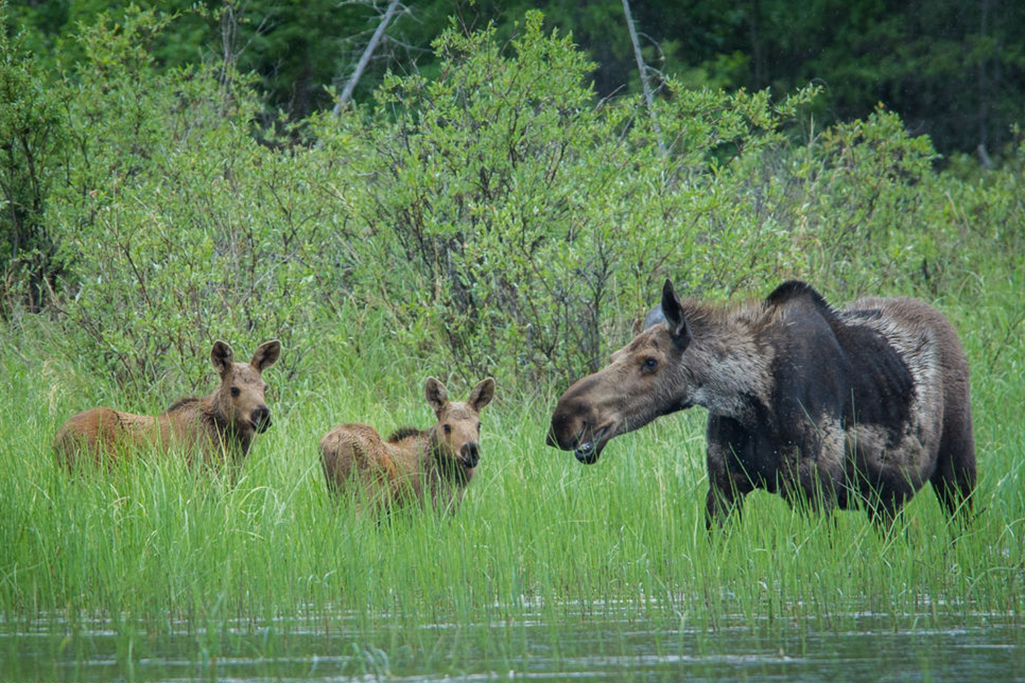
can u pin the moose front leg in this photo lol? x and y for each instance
(726, 489)
(720, 504)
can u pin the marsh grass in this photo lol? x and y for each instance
(152, 548)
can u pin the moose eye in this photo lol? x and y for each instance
(235, 392)
(478, 427)
(448, 429)
(650, 363)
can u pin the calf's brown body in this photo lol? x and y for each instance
(860, 405)
(412, 465)
(209, 428)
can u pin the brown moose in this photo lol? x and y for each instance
(437, 463)
(216, 427)
(834, 407)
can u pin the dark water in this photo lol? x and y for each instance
(618, 644)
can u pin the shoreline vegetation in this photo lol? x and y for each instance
(153, 548)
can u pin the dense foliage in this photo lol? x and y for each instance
(952, 70)
(493, 218)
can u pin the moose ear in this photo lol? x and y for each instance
(266, 355)
(221, 356)
(676, 321)
(482, 394)
(436, 394)
(654, 317)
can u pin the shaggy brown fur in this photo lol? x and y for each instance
(833, 407)
(212, 428)
(437, 463)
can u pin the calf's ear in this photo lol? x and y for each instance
(482, 394)
(221, 356)
(436, 394)
(266, 355)
(676, 321)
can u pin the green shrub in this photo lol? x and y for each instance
(181, 228)
(32, 141)
(523, 224)
(495, 219)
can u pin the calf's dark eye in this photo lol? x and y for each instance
(650, 363)
(235, 391)
(448, 429)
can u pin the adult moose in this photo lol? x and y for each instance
(413, 464)
(866, 403)
(221, 424)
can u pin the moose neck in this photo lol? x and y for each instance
(727, 362)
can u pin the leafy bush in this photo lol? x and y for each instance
(517, 217)
(495, 219)
(180, 227)
(32, 141)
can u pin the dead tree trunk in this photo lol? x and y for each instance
(346, 95)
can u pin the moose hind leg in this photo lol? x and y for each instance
(954, 477)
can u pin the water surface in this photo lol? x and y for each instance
(614, 643)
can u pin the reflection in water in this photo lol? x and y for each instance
(572, 641)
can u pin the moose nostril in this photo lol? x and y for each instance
(260, 416)
(558, 431)
(561, 436)
(471, 453)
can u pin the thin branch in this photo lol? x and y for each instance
(649, 97)
(346, 95)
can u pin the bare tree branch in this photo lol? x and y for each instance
(346, 95)
(649, 97)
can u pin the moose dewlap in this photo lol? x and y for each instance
(834, 407)
(412, 465)
(212, 428)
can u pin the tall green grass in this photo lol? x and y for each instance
(153, 547)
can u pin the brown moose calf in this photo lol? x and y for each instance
(212, 428)
(412, 464)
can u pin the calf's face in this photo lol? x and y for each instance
(457, 432)
(242, 393)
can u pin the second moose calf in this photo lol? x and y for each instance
(412, 464)
(217, 427)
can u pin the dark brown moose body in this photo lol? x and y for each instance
(412, 465)
(212, 428)
(860, 405)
